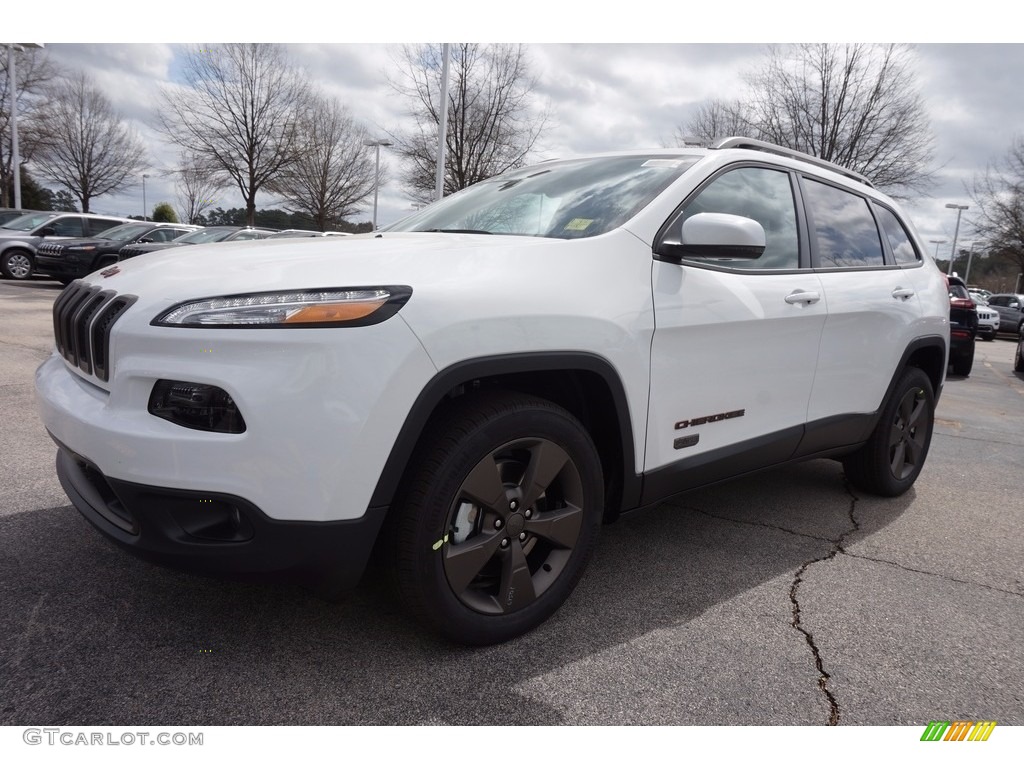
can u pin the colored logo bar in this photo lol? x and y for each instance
(958, 730)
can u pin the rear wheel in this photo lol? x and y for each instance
(1018, 361)
(964, 361)
(889, 463)
(499, 518)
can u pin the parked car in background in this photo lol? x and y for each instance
(1010, 307)
(67, 259)
(982, 292)
(199, 237)
(304, 233)
(20, 237)
(988, 318)
(963, 326)
(9, 214)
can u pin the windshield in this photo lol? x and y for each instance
(29, 221)
(209, 235)
(562, 199)
(125, 231)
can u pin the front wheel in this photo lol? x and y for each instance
(16, 265)
(499, 518)
(889, 463)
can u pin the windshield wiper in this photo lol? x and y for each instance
(460, 231)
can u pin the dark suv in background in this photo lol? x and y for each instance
(1010, 307)
(199, 237)
(963, 325)
(66, 260)
(20, 237)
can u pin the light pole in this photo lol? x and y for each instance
(937, 244)
(442, 128)
(378, 143)
(970, 258)
(952, 256)
(145, 215)
(15, 156)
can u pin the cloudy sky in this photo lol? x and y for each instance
(601, 95)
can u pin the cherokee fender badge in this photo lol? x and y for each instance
(110, 271)
(685, 423)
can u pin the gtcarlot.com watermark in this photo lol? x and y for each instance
(73, 738)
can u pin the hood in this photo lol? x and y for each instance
(10, 234)
(147, 247)
(406, 258)
(81, 242)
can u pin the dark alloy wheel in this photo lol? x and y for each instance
(889, 463)
(500, 519)
(1018, 362)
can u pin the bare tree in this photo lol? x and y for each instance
(998, 195)
(35, 73)
(335, 173)
(857, 105)
(196, 187)
(715, 119)
(492, 122)
(240, 113)
(88, 147)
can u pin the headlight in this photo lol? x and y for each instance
(310, 308)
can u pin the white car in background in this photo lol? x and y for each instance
(988, 318)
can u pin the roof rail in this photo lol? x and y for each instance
(741, 142)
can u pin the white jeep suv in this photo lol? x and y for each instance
(476, 388)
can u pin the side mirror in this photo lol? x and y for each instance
(715, 236)
(47, 232)
(144, 240)
(1014, 305)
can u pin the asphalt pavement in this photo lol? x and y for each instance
(786, 598)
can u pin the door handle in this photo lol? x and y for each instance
(902, 293)
(803, 297)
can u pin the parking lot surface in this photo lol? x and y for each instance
(782, 599)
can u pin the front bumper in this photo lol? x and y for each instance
(216, 533)
(59, 267)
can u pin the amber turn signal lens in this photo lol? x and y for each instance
(333, 313)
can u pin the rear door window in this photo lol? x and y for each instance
(842, 224)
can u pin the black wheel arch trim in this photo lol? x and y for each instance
(468, 371)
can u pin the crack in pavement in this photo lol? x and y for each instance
(758, 523)
(943, 576)
(837, 548)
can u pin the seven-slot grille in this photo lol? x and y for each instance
(82, 318)
(50, 249)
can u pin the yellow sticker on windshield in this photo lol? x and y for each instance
(578, 225)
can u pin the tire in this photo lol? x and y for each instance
(890, 461)
(989, 336)
(963, 363)
(482, 553)
(17, 264)
(1018, 360)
